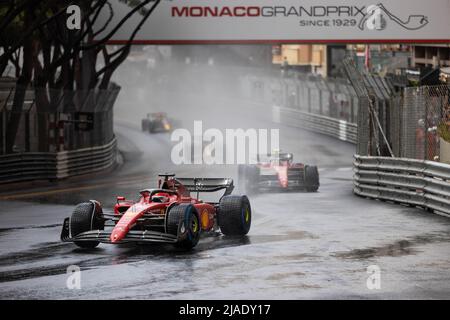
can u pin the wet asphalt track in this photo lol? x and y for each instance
(300, 246)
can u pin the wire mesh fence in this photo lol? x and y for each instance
(425, 119)
(375, 95)
(410, 122)
(334, 98)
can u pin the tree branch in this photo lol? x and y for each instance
(28, 33)
(125, 50)
(120, 24)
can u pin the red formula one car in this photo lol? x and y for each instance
(168, 214)
(280, 172)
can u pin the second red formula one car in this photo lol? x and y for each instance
(167, 214)
(280, 172)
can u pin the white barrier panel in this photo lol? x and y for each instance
(335, 128)
(247, 21)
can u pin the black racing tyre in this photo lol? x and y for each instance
(312, 178)
(145, 125)
(152, 127)
(235, 215)
(183, 221)
(86, 216)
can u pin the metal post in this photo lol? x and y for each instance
(369, 145)
(309, 100)
(427, 124)
(3, 130)
(27, 131)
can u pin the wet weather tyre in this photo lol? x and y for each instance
(86, 216)
(312, 178)
(145, 125)
(235, 215)
(183, 221)
(152, 127)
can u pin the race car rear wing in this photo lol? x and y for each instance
(207, 184)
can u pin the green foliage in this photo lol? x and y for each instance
(444, 131)
(44, 9)
(13, 31)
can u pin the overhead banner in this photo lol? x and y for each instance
(268, 21)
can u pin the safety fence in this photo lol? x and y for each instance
(51, 120)
(335, 128)
(420, 183)
(308, 93)
(326, 106)
(424, 123)
(29, 166)
(401, 121)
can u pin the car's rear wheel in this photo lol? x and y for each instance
(235, 215)
(86, 216)
(183, 221)
(312, 178)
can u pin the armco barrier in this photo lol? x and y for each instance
(335, 128)
(419, 183)
(27, 166)
(77, 162)
(49, 166)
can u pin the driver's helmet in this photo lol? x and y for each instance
(286, 158)
(160, 197)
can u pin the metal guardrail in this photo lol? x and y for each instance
(335, 128)
(88, 160)
(51, 166)
(419, 183)
(27, 166)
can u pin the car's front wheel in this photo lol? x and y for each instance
(145, 125)
(183, 221)
(86, 216)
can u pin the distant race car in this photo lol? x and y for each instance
(278, 171)
(156, 122)
(167, 214)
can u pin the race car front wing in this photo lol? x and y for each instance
(104, 236)
(272, 181)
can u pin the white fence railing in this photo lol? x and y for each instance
(50, 166)
(419, 183)
(335, 128)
